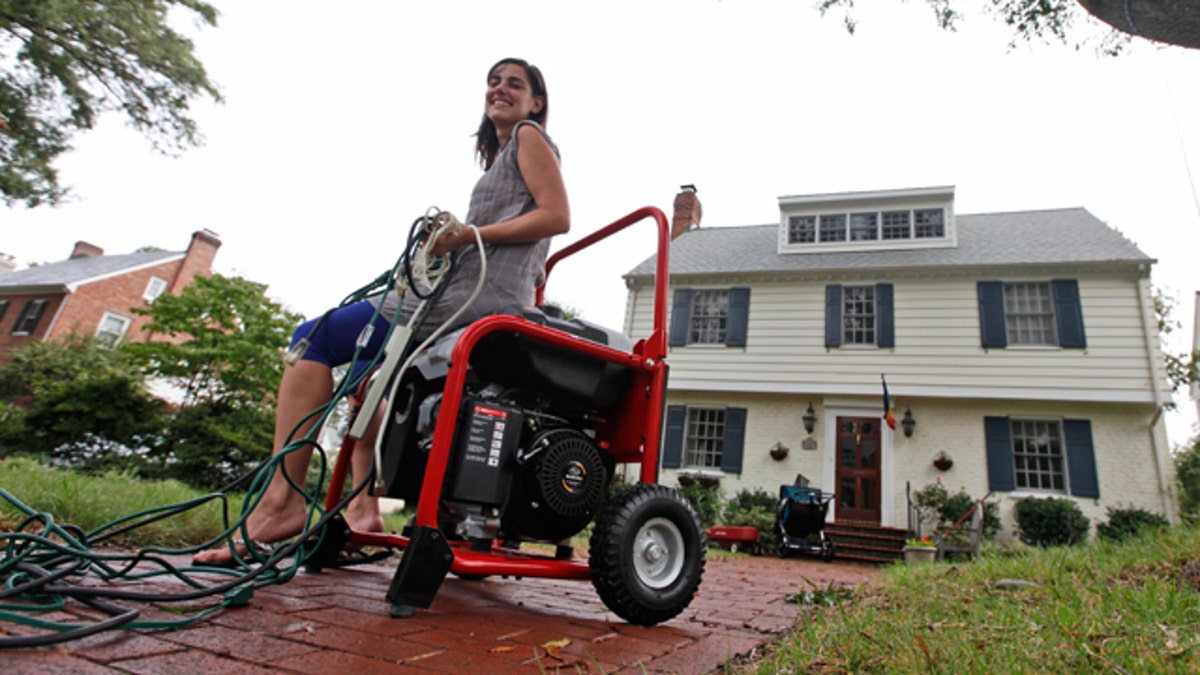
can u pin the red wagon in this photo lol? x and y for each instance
(734, 538)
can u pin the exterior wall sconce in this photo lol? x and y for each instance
(810, 418)
(908, 422)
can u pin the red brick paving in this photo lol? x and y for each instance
(338, 620)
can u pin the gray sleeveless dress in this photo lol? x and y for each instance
(514, 271)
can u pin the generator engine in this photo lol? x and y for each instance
(524, 465)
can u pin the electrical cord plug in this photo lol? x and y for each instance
(296, 351)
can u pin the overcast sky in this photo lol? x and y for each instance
(345, 121)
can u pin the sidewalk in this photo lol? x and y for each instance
(337, 622)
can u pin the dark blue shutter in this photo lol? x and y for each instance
(681, 317)
(672, 450)
(992, 330)
(1081, 459)
(738, 320)
(833, 315)
(1068, 312)
(885, 332)
(735, 439)
(997, 434)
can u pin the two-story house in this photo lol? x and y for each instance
(1022, 347)
(91, 293)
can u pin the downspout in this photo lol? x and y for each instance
(1149, 325)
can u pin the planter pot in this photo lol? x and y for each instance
(778, 453)
(919, 554)
(943, 463)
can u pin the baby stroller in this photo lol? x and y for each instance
(800, 520)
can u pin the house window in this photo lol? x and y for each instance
(930, 223)
(3, 308)
(858, 315)
(864, 226)
(30, 314)
(1029, 314)
(705, 438)
(833, 227)
(112, 330)
(154, 289)
(896, 225)
(710, 317)
(802, 229)
(710, 311)
(1038, 459)
(1041, 455)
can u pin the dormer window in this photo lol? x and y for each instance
(893, 219)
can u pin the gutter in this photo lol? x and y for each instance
(1148, 325)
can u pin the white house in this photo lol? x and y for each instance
(1022, 345)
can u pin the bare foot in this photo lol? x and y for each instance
(265, 526)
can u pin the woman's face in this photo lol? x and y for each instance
(510, 97)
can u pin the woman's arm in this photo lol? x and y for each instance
(539, 168)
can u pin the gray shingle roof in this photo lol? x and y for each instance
(77, 270)
(1061, 236)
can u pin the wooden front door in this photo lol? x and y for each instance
(858, 451)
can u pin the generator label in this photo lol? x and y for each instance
(485, 437)
(492, 435)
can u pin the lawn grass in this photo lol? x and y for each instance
(91, 502)
(1100, 607)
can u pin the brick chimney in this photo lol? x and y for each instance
(687, 211)
(85, 250)
(199, 259)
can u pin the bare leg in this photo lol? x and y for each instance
(362, 514)
(281, 513)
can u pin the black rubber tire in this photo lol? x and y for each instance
(733, 547)
(827, 551)
(647, 554)
(781, 549)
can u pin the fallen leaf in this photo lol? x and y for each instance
(553, 646)
(501, 649)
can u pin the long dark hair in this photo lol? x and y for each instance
(487, 143)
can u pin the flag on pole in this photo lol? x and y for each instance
(888, 415)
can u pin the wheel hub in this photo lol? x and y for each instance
(658, 553)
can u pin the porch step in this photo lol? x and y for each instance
(866, 542)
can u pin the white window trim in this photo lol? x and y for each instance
(124, 321)
(153, 289)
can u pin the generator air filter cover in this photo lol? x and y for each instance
(487, 440)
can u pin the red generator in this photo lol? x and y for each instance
(509, 431)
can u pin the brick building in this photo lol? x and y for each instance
(91, 293)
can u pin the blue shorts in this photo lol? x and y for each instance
(334, 341)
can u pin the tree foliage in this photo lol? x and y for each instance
(227, 340)
(1030, 20)
(65, 62)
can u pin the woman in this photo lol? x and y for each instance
(517, 205)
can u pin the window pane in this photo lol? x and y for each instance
(1029, 314)
(802, 229)
(1038, 460)
(710, 310)
(896, 225)
(705, 437)
(833, 227)
(864, 226)
(858, 315)
(930, 223)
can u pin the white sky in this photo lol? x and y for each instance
(345, 121)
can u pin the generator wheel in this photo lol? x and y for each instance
(647, 554)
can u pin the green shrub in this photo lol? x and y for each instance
(706, 501)
(944, 509)
(755, 508)
(1187, 474)
(1051, 522)
(1125, 523)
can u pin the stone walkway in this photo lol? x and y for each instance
(337, 622)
